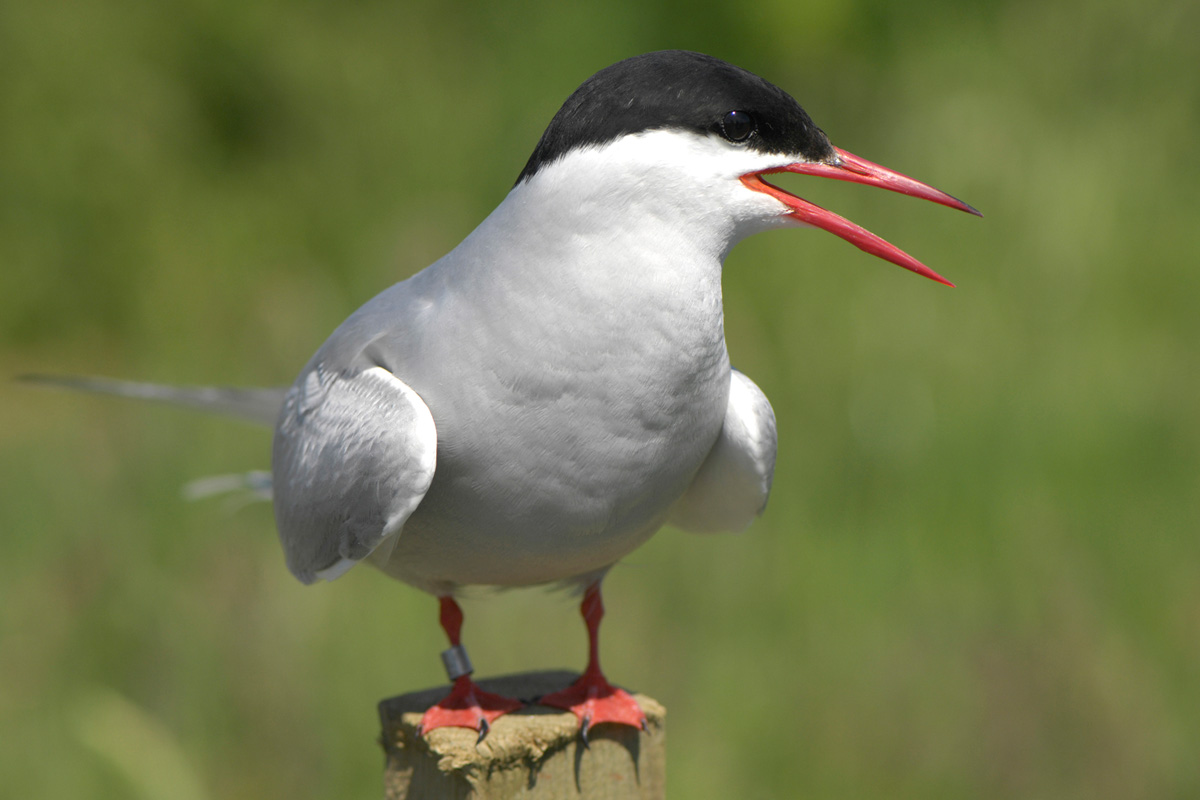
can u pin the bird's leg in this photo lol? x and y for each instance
(592, 698)
(467, 706)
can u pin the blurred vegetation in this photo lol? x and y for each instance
(979, 573)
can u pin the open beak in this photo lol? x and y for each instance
(849, 167)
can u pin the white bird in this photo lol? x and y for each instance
(534, 405)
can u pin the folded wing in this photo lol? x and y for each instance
(732, 485)
(354, 453)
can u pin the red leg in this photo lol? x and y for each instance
(592, 698)
(467, 706)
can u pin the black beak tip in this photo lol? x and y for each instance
(970, 209)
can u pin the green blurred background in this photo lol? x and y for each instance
(978, 576)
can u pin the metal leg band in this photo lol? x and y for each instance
(457, 662)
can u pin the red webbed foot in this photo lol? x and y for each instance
(467, 706)
(594, 700)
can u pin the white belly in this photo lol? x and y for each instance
(556, 456)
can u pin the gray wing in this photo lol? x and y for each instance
(354, 453)
(732, 485)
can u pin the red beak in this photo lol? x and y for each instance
(849, 167)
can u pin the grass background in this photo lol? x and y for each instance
(978, 576)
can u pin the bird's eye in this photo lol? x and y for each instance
(736, 126)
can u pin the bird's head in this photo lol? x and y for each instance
(698, 135)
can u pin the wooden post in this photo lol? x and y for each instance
(532, 753)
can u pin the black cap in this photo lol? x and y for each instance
(677, 89)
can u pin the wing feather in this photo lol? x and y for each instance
(354, 453)
(733, 483)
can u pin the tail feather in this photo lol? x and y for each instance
(249, 486)
(260, 406)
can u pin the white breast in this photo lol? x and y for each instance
(571, 351)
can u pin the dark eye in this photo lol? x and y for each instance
(736, 126)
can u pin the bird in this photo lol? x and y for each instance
(537, 403)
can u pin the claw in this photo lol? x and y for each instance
(585, 724)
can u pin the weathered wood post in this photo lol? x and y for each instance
(532, 753)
